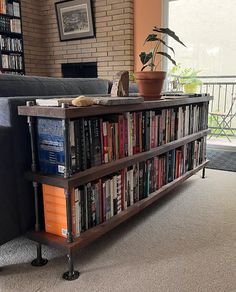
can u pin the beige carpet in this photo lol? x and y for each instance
(185, 242)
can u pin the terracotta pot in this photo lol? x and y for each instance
(150, 84)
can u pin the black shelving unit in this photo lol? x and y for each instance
(11, 39)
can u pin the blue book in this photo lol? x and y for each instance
(51, 146)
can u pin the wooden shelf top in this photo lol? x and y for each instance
(97, 110)
(84, 177)
(99, 230)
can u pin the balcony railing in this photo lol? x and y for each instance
(223, 90)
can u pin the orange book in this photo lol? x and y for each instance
(2, 6)
(54, 203)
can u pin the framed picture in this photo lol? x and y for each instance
(75, 20)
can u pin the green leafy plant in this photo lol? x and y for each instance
(149, 59)
(184, 76)
(131, 77)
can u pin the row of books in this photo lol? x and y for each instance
(94, 141)
(10, 7)
(10, 25)
(100, 200)
(10, 44)
(12, 61)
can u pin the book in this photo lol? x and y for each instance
(51, 146)
(94, 141)
(100, 200)
(53, 101)
(54, 203)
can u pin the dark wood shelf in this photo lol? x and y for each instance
(98, 110)
(12, 70)
(84, 177)
(11, 52)
(94, 233)
(11, 34)
(10, 16)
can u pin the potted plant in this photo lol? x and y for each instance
(150, 82)
(190, 80)
(185, 78)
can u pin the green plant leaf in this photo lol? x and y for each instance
(167, 56)
(164, 43)
(144, 57)
(170, 33)
(151, 38)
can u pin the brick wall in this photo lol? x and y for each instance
(34, 48)
(112, 48)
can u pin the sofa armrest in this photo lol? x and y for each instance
(9, 219)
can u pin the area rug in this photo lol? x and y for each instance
(221, 159)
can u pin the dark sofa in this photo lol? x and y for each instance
(16, 195)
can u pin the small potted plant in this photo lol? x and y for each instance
(186, 78)
(150, 82)
(190, 80)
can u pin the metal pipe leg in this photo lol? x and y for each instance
(39, 261)
(71, 274)
(203, 172)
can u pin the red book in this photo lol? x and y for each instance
(152, 122)
(121, 136)
(178, 163)
(134, 138)
(164, 171)
(126, 133)
(116, 140)
(109, 139)
(156, 171)
(159, 172)
(101, 139)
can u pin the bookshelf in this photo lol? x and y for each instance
(11, 38)
(161, 179)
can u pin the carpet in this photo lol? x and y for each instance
(221, 159)
(184, 242)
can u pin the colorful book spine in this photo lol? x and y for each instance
(54, 203)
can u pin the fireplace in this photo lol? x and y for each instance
(79, 70)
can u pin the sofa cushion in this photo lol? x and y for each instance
(12, 85)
